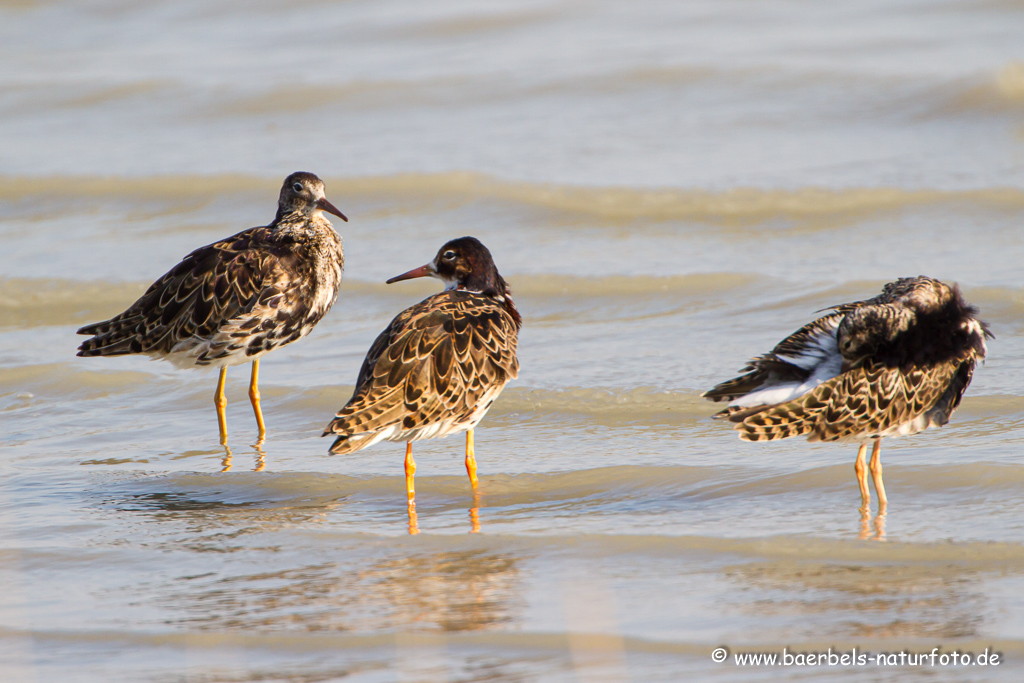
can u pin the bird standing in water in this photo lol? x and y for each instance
(888, 366)
(235, 300)
(438, 367)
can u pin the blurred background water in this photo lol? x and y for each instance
(669, 188)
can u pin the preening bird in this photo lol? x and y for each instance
(235, 300)
(888, 366)
(438, 367)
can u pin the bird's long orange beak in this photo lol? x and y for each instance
(422, 271)
(325, 205)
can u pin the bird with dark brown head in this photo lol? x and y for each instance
(466, 264)
(440, 364)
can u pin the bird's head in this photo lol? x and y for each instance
(463, 263)
(304, 193)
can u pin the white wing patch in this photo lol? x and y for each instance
(820, 356)
(820, 348)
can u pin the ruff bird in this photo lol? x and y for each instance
(235, 300)
(892, 365)
(438, 367)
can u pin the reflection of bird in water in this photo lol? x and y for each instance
(234, 300)
(440, 364)
(926, 600)
(446, 591)
(871, 528)
(888, 366)
(258, 466)
(454, 591)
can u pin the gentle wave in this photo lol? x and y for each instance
(528, 643)
(731, 207)
(69, 379)
(32, 302)
(999, 91)
(36, 302)
(612, 204)
(638, 404)
(594, 489)
(610, 406)
(447, 91)
(1002, 91)
(568, 286)
(39, 302)
(183, 187)
(524, 646)
(472, 23)
(628, 406)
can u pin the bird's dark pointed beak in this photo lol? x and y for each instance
(325, 205)
(422, 271)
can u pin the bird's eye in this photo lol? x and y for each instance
(297, 187)
(448, 255)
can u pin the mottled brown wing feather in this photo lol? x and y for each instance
(434, 362)
(210, 286)
(862, 402)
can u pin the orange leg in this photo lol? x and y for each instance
(254, 398)
(220, 402)
(861, 469)
(410, 471)
(471, 460)
(410, 489)
(876, 476)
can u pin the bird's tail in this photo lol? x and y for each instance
(115, 337)
(349, 443)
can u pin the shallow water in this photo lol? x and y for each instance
(669, 192)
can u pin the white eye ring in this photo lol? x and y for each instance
(448, 255)
(297, 187)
